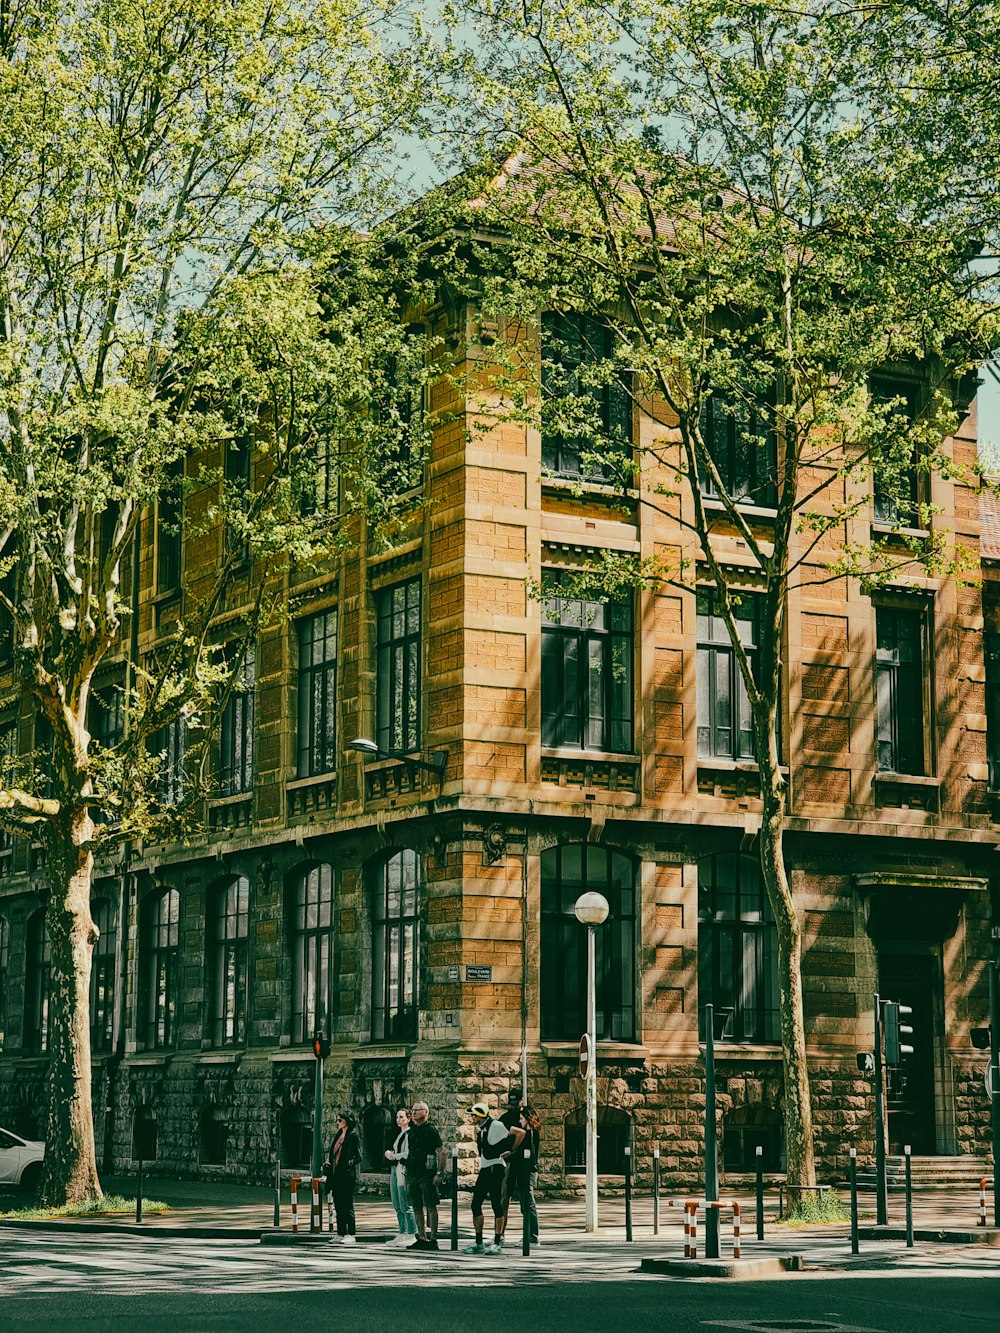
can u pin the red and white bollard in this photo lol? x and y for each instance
(316, 1218)
(982, 1202)
(736, 1230)
(693, 1230)
(293, 1185)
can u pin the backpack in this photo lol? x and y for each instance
(491, 1151)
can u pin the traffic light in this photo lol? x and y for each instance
(866, 1063)
(321, 1046)
(895, 1031)
(982, 1038)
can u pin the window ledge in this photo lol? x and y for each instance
(149, 1061)
(745, 1050)
(606, 1050)
(714, 506)
(165, 597)
(299, 784)
(219, 1058)
(906, 790)
(301, 1056)
(587, 756)
(599, 490)
(882, 529)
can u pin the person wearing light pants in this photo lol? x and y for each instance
(396, 1156)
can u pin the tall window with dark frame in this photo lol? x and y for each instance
(169, 528)
(991, 652)
(236, 732)
(737, 948)
(106, 714)
(895, 470)
(230, 930)
(398, 684)
(319, 483)
(594, 440)
(316, 736)
(899, 688)
(102, 977)
(396, 947)
(169, 743)
(587, 670)
(398, 409)
(312, 952)
(237, 472)
(4, 977)
(38, 984)
(566, 873)
(161, 967)
(725, 719)
(741, 441)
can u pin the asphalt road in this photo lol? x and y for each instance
(96, 1283)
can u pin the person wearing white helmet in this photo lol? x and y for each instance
(495, 1143)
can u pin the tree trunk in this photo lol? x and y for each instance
(801, 1158)
(70, 1170)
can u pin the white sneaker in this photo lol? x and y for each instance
(348, 1240)
(336, 1240)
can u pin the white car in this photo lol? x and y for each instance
(20, 1160)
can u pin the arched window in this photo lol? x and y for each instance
(144, 1134)
(162, 963)
(38, 984)
(230, 930)
(395, 947)
(378, 1130)
(295, 1127)
(613, 1130)
(312, 952)
(566, 873)
(214, 1136)
(737, 948)
(4, 976)
(102, 977)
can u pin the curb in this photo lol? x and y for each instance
(725, 1268)
(283, 1236)
(990, 1236)
(102, 1227)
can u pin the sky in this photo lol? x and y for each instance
(989, 417)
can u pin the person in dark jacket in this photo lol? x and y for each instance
(341, 1173)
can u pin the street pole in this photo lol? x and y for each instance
(995, 1084)
(592, 1078)
(881, 1192)
(711, 1147)
(317, 1161)
(591, 910)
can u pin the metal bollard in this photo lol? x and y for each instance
(293, 1186)
(525, 1204)
(855, 1241)
(315, 1216)
(694, 1230)
(760, 1192)
(454, 1196)
(628, 1192)
(138, 1195)
(737, 1252)
(982, 1202)
(277, 1193)
(909, 1199)
(687, 1232)
(656, 1191)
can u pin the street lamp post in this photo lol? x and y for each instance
(591, 910)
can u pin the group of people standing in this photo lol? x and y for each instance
(508, 1169)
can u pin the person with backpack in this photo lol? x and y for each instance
(522, 1173)
(495, 1142)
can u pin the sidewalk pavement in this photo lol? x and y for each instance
(220, 1210)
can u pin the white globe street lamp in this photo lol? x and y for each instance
(591, 910)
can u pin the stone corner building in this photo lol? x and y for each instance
(426, 923)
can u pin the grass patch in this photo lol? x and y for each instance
(815, 1209)
(98, 1205)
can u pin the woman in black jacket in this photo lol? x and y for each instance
(341, 1173)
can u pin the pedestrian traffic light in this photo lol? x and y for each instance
(982, 1038)
(321, 1046)
(866, 1062)
(895, 1031)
